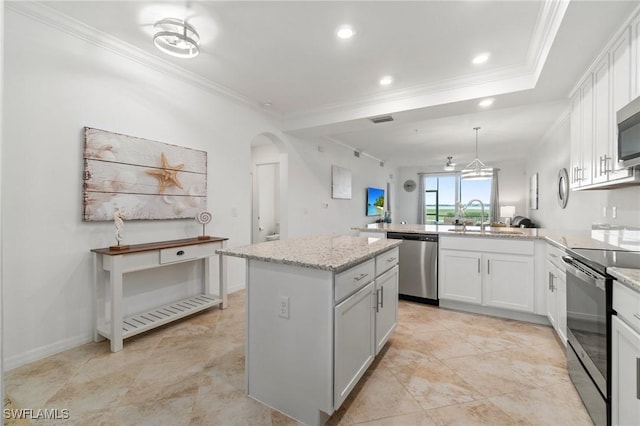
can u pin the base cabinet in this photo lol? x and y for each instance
(386, 306)
(489, 275)
(354, 346)
(556, 292)
(625, 372)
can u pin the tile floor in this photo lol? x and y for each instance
(440, 368)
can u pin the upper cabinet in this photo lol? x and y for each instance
(611, 83)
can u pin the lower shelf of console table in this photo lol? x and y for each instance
(111, 265)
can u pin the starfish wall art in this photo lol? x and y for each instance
(143, 178)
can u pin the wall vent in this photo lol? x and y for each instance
(381, 119)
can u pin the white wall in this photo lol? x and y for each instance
(584, 208)
(512, 184)
(55, 84)
(311, 210)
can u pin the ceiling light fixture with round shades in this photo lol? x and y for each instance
(177, 38)
(449, 166)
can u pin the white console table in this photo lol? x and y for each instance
(111, 264)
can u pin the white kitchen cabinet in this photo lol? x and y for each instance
(556, 292)
(625, 373)
(490, 272)
(460, 276)
(354, 341)
(508, 281)
(606, 87)
(386, 306)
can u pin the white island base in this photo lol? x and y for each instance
(313, 332)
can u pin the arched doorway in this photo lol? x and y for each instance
(269, 188)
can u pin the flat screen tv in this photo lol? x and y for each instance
(375, 201)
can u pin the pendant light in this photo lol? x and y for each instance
(450, 166)
(476, 170)
(176, 37)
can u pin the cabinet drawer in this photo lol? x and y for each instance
(353, 279)
(626, 303)
(554, 255)
(487, 244)
(180, 254)
(387, 260)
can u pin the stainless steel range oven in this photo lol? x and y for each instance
(589, 297)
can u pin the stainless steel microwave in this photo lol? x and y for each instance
(628, 118)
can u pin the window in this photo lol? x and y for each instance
(446, 196)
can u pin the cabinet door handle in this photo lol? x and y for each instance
(360, 277)
(550, 286)
(488, 266)
(478, 265)
(391, 259)
(382, 297)
(377, 301)
(180, 252)
(637, 378)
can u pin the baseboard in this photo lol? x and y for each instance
(495, 312)
(36, 354)
(234, 288)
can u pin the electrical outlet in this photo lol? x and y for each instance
(614, 212)
(284, 307)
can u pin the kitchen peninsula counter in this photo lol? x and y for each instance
(612, 239)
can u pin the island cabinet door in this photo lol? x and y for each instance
(460, 276)
(509, 281)
(354, 341)
(386, 307)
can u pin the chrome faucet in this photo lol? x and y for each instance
(481, 212)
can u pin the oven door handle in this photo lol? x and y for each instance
(596, 282)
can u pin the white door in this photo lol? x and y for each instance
(509, 281)
(354, 341)
(460, 276)
(386, 298)
(266, 199)
(625, 371)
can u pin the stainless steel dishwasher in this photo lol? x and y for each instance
(418, 266)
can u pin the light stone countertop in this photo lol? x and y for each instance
(328, 252)
(591, 239)
(629, 277)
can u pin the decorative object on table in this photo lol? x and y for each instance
(340, 183)
(118, 221)
(409, 185)
(533, 192)
(563, 188)
(203, 218)
(144, 179)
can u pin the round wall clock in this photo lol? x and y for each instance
(409, 185)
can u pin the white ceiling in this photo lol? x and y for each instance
(324, 88)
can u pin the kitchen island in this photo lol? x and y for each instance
(319, 309)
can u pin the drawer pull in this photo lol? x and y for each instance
(391, 259)
(637, 315)
(360, 277)
(382, 297)
(180, 253)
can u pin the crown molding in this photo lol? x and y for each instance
(70, 26)
(549, 19)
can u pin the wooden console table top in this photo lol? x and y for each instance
(158, 245)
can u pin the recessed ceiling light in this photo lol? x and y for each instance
(481, 58)
(266, 104)
(486, 102)
(386, 80)
(345, 32)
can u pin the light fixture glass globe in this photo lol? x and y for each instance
(177, 38)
